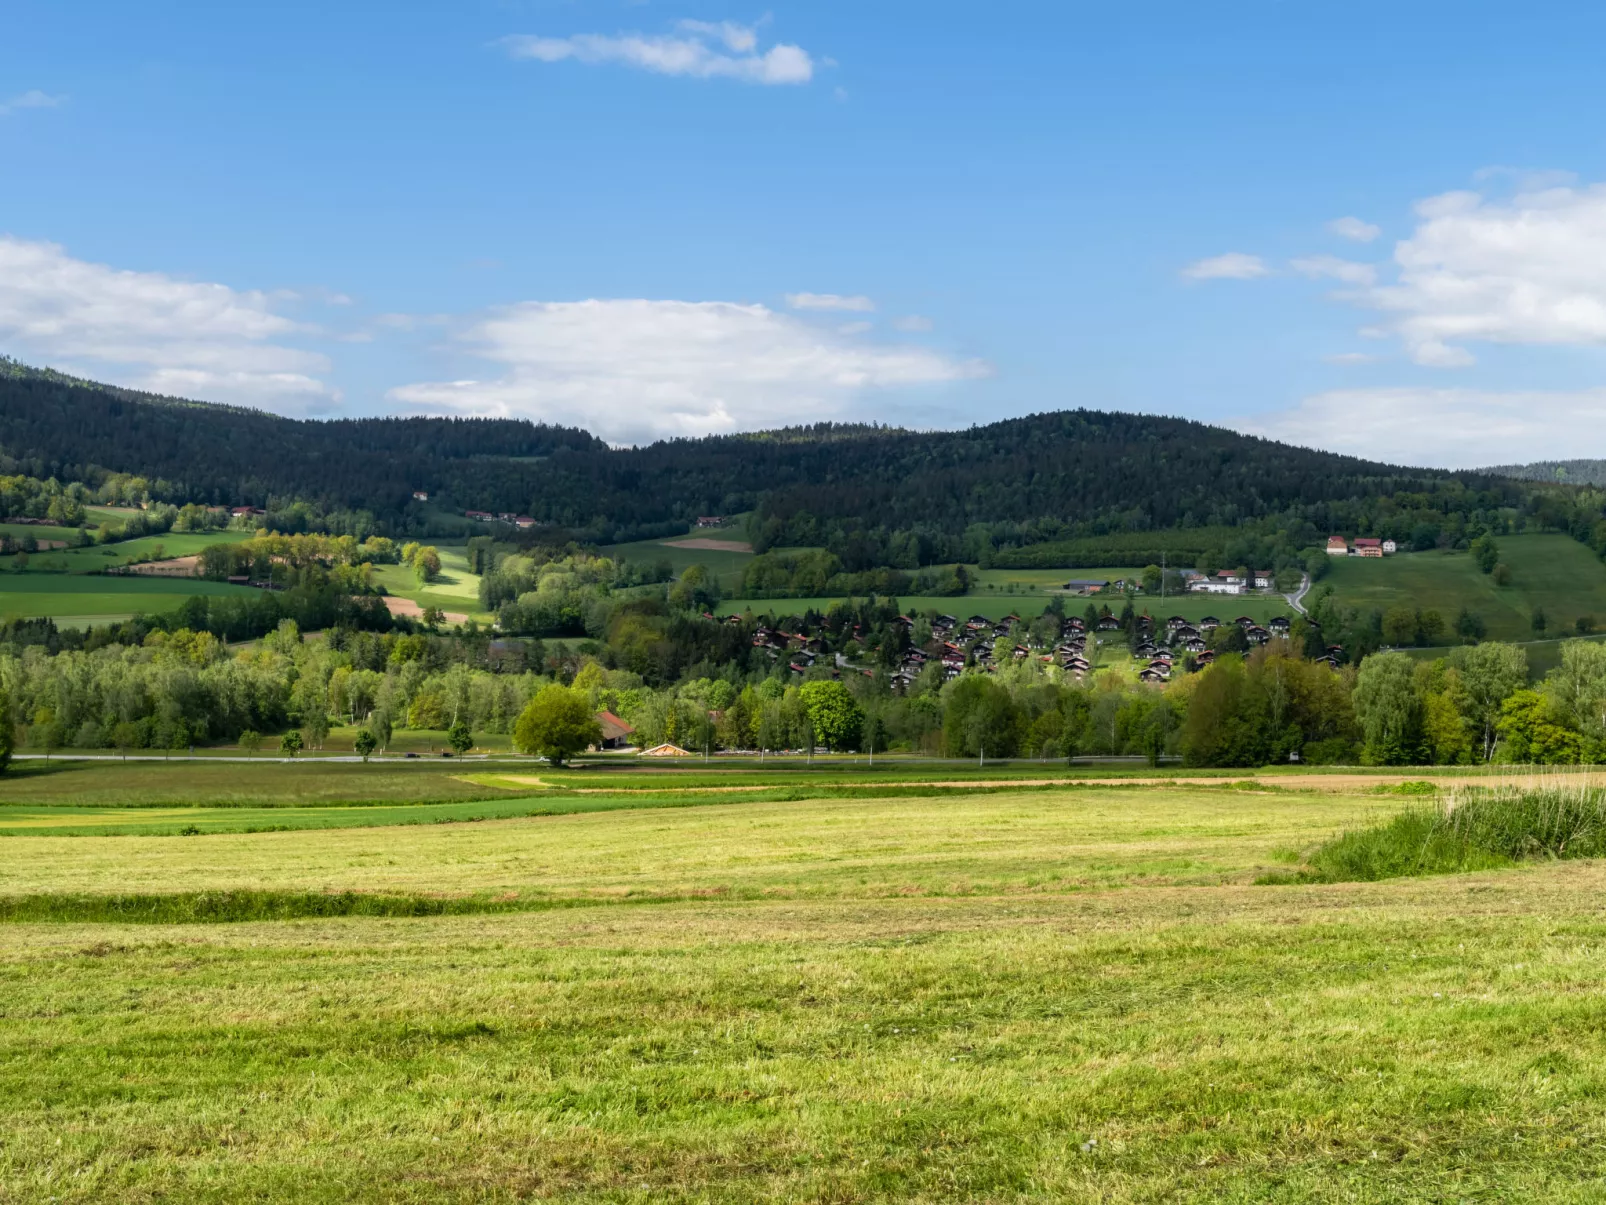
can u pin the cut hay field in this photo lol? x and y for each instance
(1550, 571)
(1018, 996)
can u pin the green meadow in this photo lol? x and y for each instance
(457, 590)
(79, 600)
(1552, 572)
(1004, 995)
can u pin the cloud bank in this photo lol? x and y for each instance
(633, 371)
(151, 331)
(1444, 428)
(698, 49)
(1234, 265)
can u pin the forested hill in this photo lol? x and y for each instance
(1085, 468)
(52, 425)
(1562, 472)
(1034, 479)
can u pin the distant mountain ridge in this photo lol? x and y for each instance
(1562, 472)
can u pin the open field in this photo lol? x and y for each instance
(1549, 571)
(79, 600)
(96, 558)
(457, 591)
(726, 565)
(1015, 996)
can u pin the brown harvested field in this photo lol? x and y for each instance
(178, 566)
(406, 608)
(704, 544)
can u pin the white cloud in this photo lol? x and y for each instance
(829, 301)
(31, 99)
(1444, 428)
(855, 328)
(914, 323)
(700, 49)
(151, 331)
(637, 370)
(1354, 229)
(1319, 267)
(1349, 357)
(1531, 270)
(1232, 266)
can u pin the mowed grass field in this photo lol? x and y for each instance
(1551, 572)
(80, 600)
(1073, 995)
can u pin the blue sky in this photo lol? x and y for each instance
(656, 219)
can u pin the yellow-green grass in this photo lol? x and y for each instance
(995, 998)
(151, 781)
(1551, 572)
(1012, 842)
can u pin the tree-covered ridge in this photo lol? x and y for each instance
(52, 425)
(876, 496)
(1561, 472)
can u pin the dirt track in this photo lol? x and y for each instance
(705, 544)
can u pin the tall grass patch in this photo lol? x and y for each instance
(1478, 829)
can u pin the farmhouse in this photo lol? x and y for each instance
(1390, 547)
(1080, 586)
(1337, 546)
(1206, 585)
(420, 495)
(710, 521)
(1367, 546)
(615, 732)
(483, 516)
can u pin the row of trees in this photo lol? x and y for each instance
(175, 688)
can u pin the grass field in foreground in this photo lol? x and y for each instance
(1014, 998)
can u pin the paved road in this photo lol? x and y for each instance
(1296, 600)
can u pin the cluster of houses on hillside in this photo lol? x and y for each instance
(982, 643)
(1360, 546)
(506, 516)
(1227, 581)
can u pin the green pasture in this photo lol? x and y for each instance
(1021, 996)
(457, 590)
(82, 600)
(1550, 571)
(725, 566)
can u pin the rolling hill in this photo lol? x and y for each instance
(1049, 476)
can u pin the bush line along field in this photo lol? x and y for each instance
(1014, 996)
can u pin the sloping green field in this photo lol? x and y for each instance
(1550, 571)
